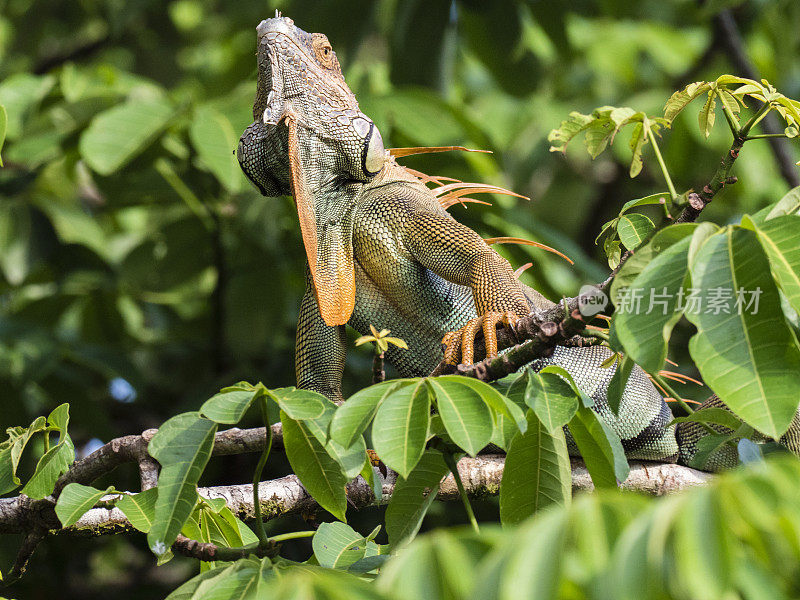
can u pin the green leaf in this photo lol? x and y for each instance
(228, 407)
(717, 416)
(238, 581)
(607, 226)
(300, 404)
(219, 526)
(506, 429)
(779, 238)
(678, 101)
(600, 449)
(537, 471)
(50, 467)
(729, 101)
(633, 229)
(55, 461)
(318, 472)
(707, 114)
(8, 479)
(183, 447)
(337, 546)
(585, 399)
(188, 589)
(413, 496)
(598, 134)
(649, 308)
(750, 360)
(351, 459)
(636, 143)
(11, 452)
(75, 499)
(116, 136)
(375, 483)
(140, 508)
(619, 380)
(704, 537)
(400, 427)
(613, 252)
(464, 413)
(788, 205)
(353, 417)
(553, 400)
(215, 140)
(639, 260)
(659, 198)
(534, 568)
(492, 398)
(568, 129)
(19, 94)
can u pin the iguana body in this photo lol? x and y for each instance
(383, 251)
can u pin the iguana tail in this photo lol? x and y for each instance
(688, 436)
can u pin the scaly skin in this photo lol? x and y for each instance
(383, 251)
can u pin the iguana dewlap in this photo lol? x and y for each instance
(383, 251)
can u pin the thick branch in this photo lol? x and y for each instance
(21, 513)
(481, 477)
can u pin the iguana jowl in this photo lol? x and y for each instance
(383, 250)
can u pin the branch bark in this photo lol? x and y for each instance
(284, 496)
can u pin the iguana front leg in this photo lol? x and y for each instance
(460, 255)
(319, 349)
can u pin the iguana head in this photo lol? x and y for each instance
(310, 139)
(299, 78)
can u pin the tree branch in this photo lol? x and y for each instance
(481, 477)
(21, 513)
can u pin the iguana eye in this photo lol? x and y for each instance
(323, 50)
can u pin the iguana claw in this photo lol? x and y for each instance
(463, 340)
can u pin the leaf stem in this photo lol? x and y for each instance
(762, 136)
(600, 335)
(663, 383)
(731, 118)
(670, 186)
(263, 540)
(450, 461)
(760, 114)
(292, 535)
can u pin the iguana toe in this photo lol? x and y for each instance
(464, 338)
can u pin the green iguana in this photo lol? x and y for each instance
(382, 249)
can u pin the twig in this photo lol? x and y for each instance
(206, 551)
(26, 550)
(656, 150)
(727, 32)
(378, 374)
(261, 533)
(450, 461)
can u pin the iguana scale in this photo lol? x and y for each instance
(382, 249)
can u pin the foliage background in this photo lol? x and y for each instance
(135, 290)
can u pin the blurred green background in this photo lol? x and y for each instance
(140, 272)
